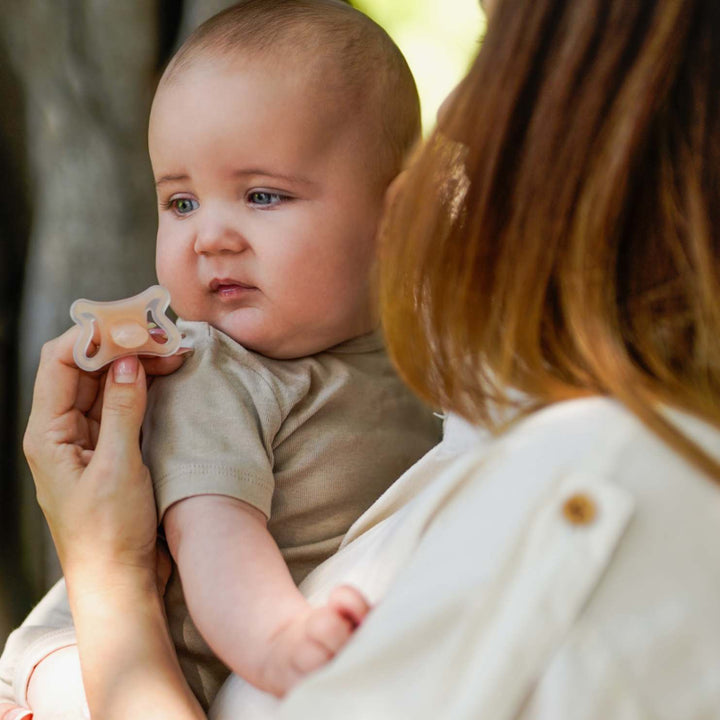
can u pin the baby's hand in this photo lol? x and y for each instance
(312, 639)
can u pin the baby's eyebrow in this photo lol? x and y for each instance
(295, 179)
(245, 172)
(170, 178)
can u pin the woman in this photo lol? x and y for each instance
(551, 273)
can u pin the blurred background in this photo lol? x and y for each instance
(77, 209)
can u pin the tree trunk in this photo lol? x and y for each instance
(87, 71)
(77, 212)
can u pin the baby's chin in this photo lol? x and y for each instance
(273, 344)
(283, 345)
(284, 348)
(252, 328)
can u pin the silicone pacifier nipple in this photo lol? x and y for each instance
(129, 335)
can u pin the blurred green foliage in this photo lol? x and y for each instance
(439, 38)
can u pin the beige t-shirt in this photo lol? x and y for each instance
(310, 442)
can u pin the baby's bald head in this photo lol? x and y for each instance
(350, 65)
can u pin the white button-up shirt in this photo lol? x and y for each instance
(568, 569)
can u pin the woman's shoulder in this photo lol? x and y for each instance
(582, 509)
(647, 640)
(601, 440)
(602, 435)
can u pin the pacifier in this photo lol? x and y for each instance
(134, 326)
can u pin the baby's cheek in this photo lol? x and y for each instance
(170, 265)
(163, 267)
(181, 290)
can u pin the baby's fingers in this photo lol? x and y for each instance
(309, 655)
(330, 627)
(349, 603)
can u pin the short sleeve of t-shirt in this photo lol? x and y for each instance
(209, 427)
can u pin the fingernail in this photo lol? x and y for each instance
(126, 369)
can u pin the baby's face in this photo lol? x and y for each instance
(267, 213)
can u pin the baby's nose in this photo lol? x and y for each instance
(218, 235)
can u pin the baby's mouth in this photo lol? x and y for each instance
(229, 288)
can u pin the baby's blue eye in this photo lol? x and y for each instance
(264, 198)
(183, 206)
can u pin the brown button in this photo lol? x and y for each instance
(579, 509)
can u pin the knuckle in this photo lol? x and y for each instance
(48, 350)
(121, 403)
(104, 465)
(29, 445)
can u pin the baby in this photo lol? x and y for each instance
(274, 135)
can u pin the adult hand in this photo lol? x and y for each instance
(82, 445)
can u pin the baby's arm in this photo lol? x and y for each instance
(242, 598)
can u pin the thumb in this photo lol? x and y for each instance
(123, 407)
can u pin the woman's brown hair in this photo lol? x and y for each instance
(559, 233)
